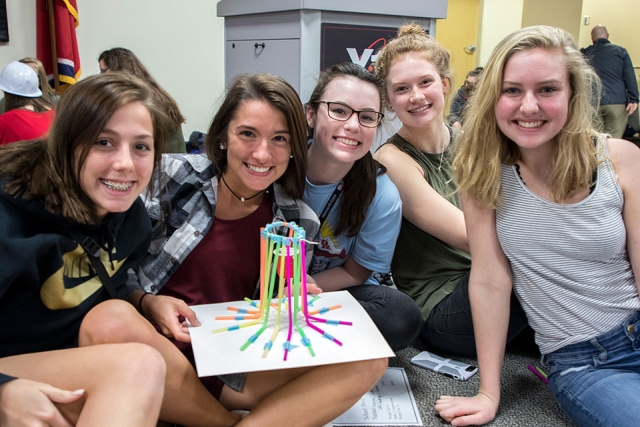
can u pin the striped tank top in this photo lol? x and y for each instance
(569, 262)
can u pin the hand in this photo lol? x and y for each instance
(463, 411)
(31, 403)
(312, 287)
(166, 312)
(631, 108)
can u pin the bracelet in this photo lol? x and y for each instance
(140, 302)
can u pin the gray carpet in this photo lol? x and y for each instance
(526, 400)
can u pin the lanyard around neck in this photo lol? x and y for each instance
(329, 205)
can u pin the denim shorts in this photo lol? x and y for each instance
(597, 382)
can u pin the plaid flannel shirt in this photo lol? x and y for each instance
(182, 210)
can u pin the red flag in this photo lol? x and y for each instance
(58, 45)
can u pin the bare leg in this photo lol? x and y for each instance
(123, 383)
(187, 401)
(310, 396)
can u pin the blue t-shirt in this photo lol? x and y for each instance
(373, 246)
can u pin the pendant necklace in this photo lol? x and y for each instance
(439, 168)
(242, 199)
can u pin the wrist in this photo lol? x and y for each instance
(494, 398)
(139, 305)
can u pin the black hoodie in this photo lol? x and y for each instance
(47, 284)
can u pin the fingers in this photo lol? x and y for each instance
(179, 330)
(167, 313)
(26, 402)
(61, 396)
(313, 289)
(188, 314)
(54, 417)
(312, 286)
(467, 420)
(464, 411)
(446, 406)
(181, 333)
(57, 420)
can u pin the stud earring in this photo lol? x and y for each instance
(291, 156)
(221, 147)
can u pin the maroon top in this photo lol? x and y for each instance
(224, 266)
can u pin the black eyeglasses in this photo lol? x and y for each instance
(342, 112)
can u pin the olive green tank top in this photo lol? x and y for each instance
(424, 267)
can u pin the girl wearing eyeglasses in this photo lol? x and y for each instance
(358, 206)
(431, 262)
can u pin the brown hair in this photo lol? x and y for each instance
(38, 103)
(280, 95)
(121, 59)
(50, 168)
(360, 181)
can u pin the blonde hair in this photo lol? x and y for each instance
(483, 147)
(413, 38)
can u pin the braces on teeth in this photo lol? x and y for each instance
(116, 186)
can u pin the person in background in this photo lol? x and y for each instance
(633, 125)
(431, 262)
(358, 234)
(48, 94)
(553, 211)
(120, 59)
(28, 115)
(620, 88)
(456, 113)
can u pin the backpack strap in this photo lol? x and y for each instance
(92, 249)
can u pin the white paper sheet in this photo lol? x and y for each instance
(389, 403)
(217, 354)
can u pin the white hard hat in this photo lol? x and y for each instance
(19, 79)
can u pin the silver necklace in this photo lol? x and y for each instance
(242, 199)
(439, 168)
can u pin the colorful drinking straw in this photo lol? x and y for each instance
(282, 257)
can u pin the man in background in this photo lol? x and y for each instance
(619, 86)
(456, 113)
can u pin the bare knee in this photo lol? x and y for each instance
(369, 372)
(130, 374)
(113, 321)
(137, 365)
(145, 363)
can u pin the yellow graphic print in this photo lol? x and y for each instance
(76, 267)
(329, 246)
